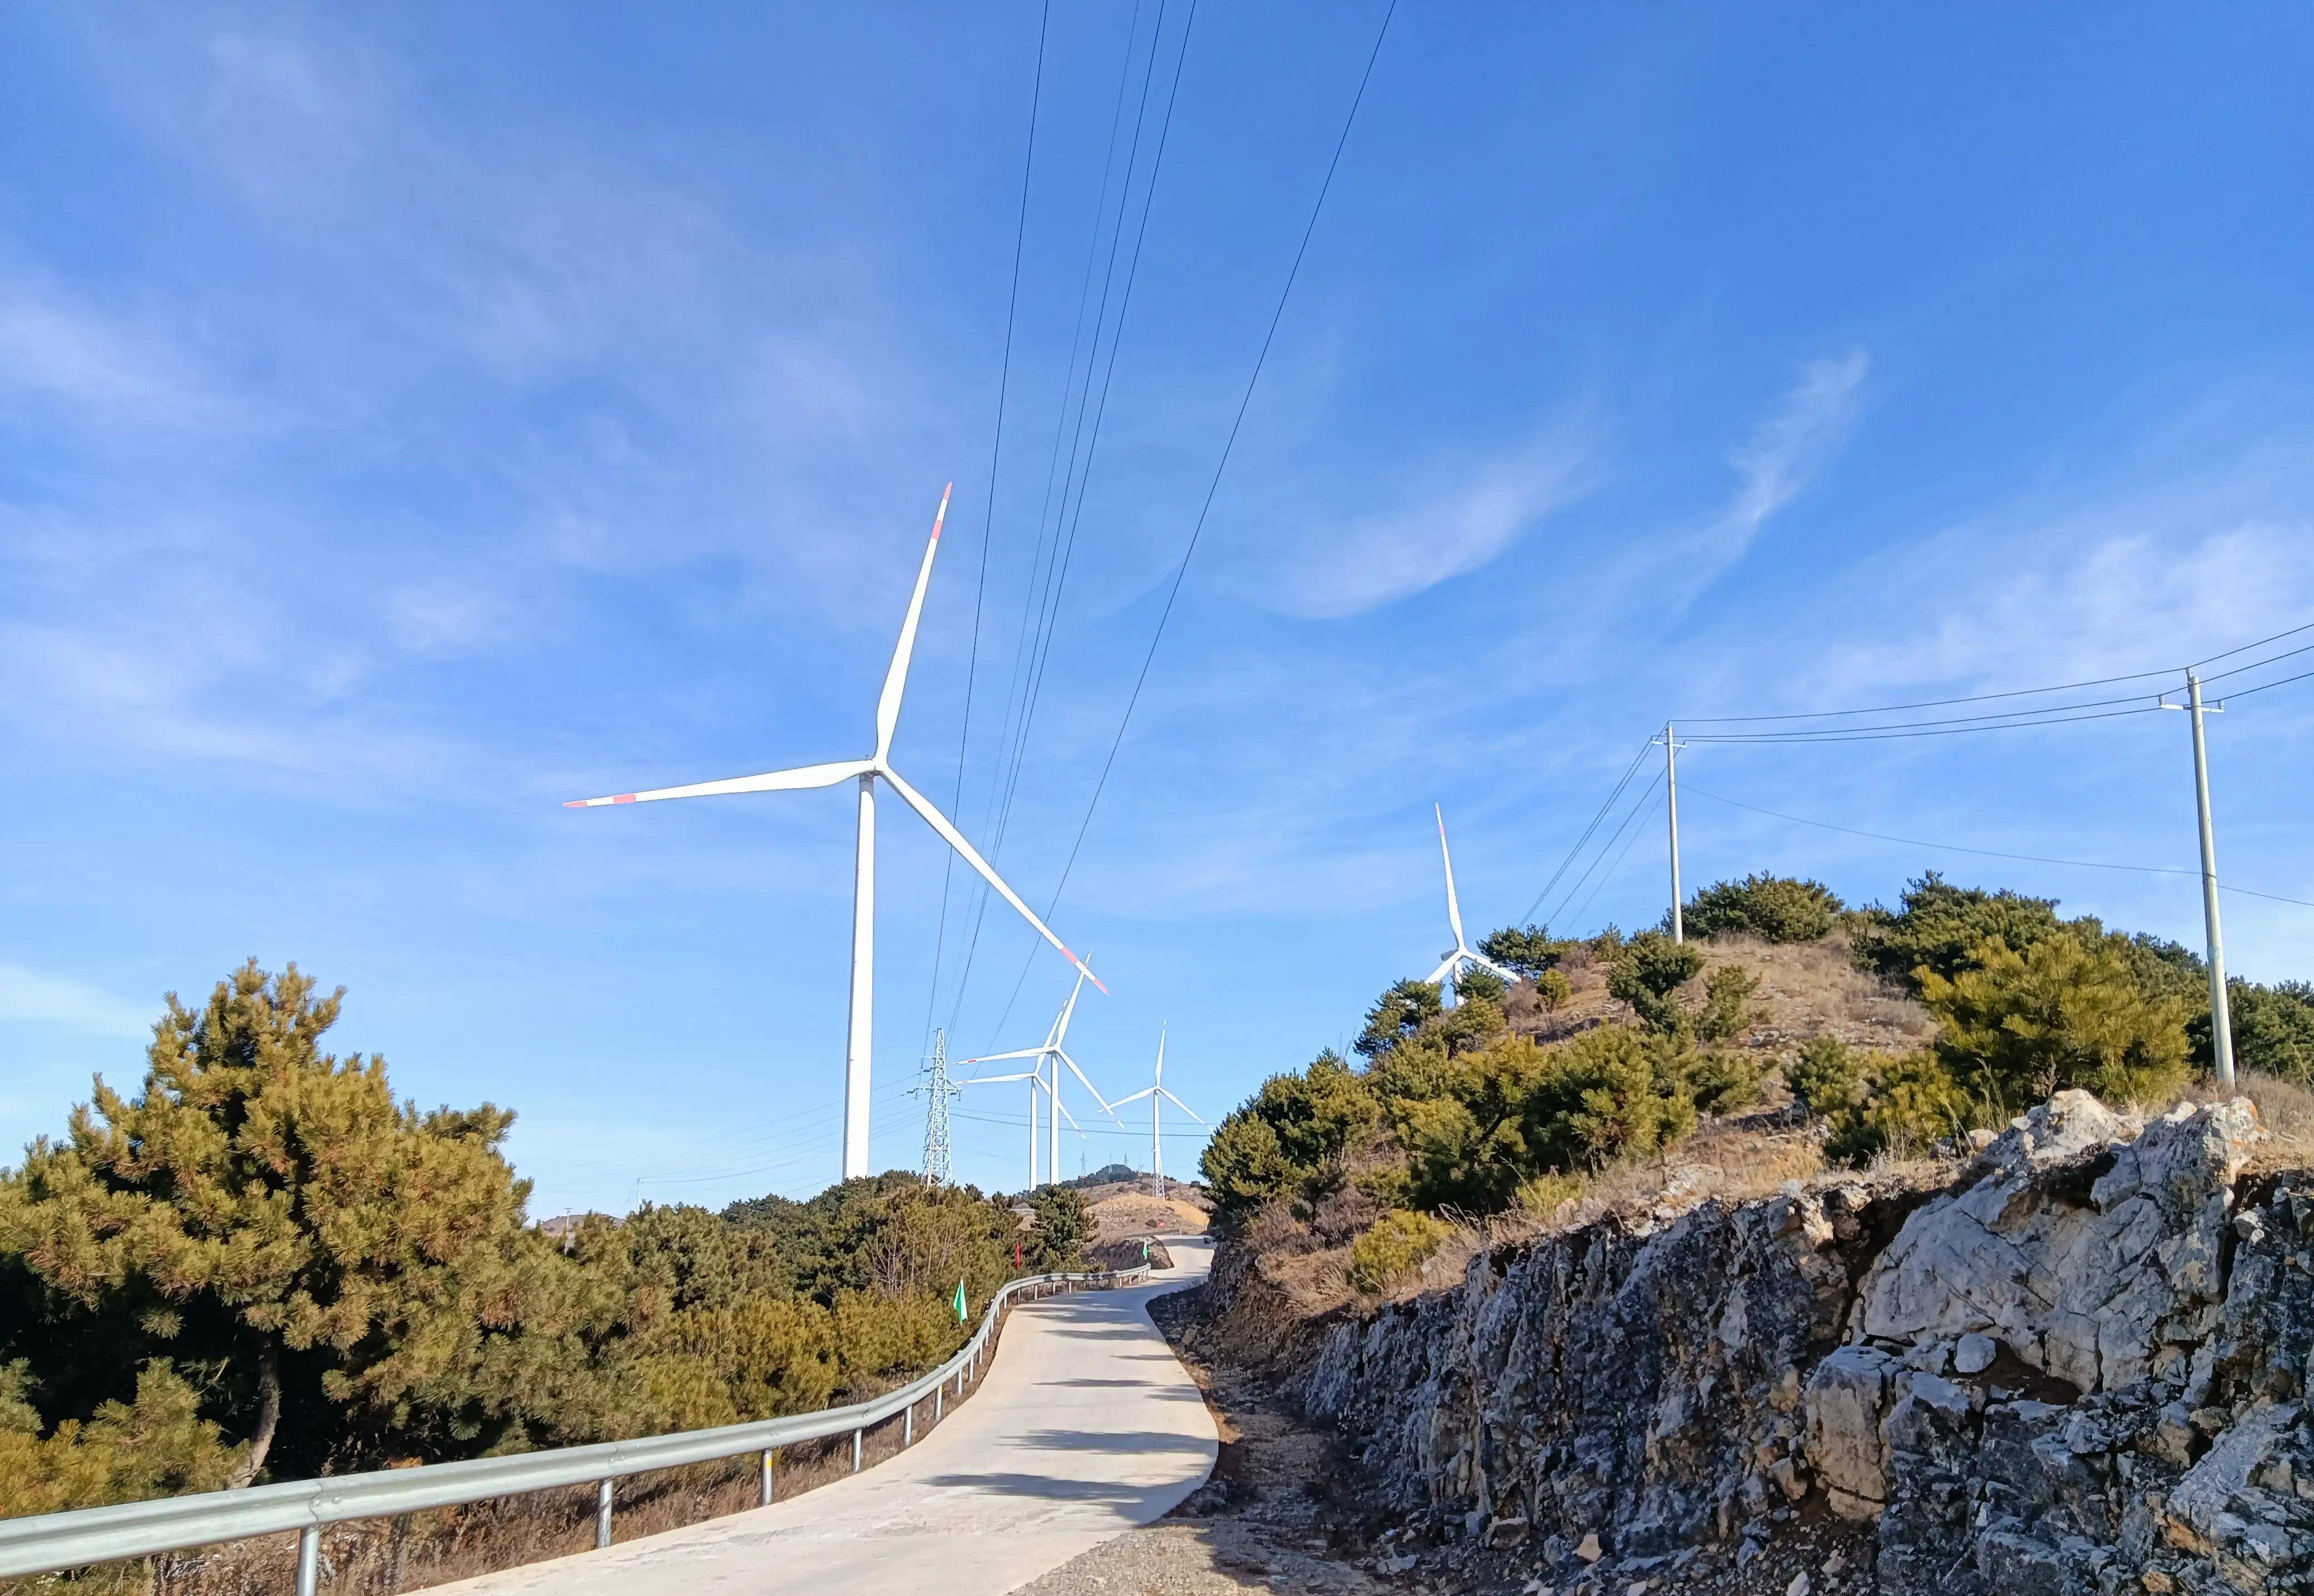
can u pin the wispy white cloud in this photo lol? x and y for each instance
(1342, 566)
(31, 997)
(2140, 571)
(1776, 464)
(112, 368)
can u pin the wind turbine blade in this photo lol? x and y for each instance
(1161, 1054)
(955, 839)
(993, 1080)
(1441, 973)
(1454, 909)
(1071, 1118)
(809, 775)
(1136, 1096)
(1089, 1086)
(1184, 1107)
(1481, 960)
(895, 680)
(1061, 1025)
(994, 1058)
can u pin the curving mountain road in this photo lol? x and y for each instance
(1084, 1427)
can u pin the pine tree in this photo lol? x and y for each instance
(271, 1208)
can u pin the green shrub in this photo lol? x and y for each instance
(1530, 951)
(1554, 989)
(877, 1337)
(1941, 927)
(156, 1445)
(1772, 908)
(1518, 1109)
(752, 1360)
(1827, 1077)
(1393, 1247)
(1904, 1104)
(2161, 967)
(1470, 1026)
(1476, 983)
(1648, 969)
(2273, 1027)
(690, 1258)
(1244, 1166)
(1544, 1194)
(1727, 1003)
(1614, 1093)
(1397, 1015)
(1720, 1081)
(1064, 1224)
(2021, 1025)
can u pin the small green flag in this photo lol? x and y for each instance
(959, 1302)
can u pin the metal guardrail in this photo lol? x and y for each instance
(49, 1542)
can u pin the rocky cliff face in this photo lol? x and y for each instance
(2081, 1368)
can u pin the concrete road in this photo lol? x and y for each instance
(1084, 1427)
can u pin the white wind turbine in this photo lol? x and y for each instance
(1461, 953)
(867, 771)
(1049, 1054)
(1158, 1098)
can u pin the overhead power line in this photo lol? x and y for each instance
(1040, 598)
(1645, 806)
(1980, 698)
(1930, 703)
(1925, 729)
(2261, 643)
(1597, 819)
(988, 520)
(1229, 444)
(2037, 859)
(2258, 663)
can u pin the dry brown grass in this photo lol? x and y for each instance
(2287, 1108)
(382, 1557)
(1814, 988)
(1134, 1214)
(1807, 990)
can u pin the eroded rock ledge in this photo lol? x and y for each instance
(2081, 1368)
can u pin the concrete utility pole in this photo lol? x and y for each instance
(2221, 1028)
(1670, 786)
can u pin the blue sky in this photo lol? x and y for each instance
(411, 419)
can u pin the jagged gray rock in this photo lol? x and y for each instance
(2080, 1370)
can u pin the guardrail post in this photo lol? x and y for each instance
(767, 1476)
(309, 1560)
(855, 1451)
(938, 1392)
(908, 1428)
(602, 1515)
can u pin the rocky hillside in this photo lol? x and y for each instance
(2076, 1363)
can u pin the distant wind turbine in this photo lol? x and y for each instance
(867, 771)
(1158, 1098)
(1050, 1055)
(1461, 953)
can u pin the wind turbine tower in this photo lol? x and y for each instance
(1045, 1074)
(1158, 1098)
(1462, 954)
(866, 772)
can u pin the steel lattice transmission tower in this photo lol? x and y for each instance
(937, 1091)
